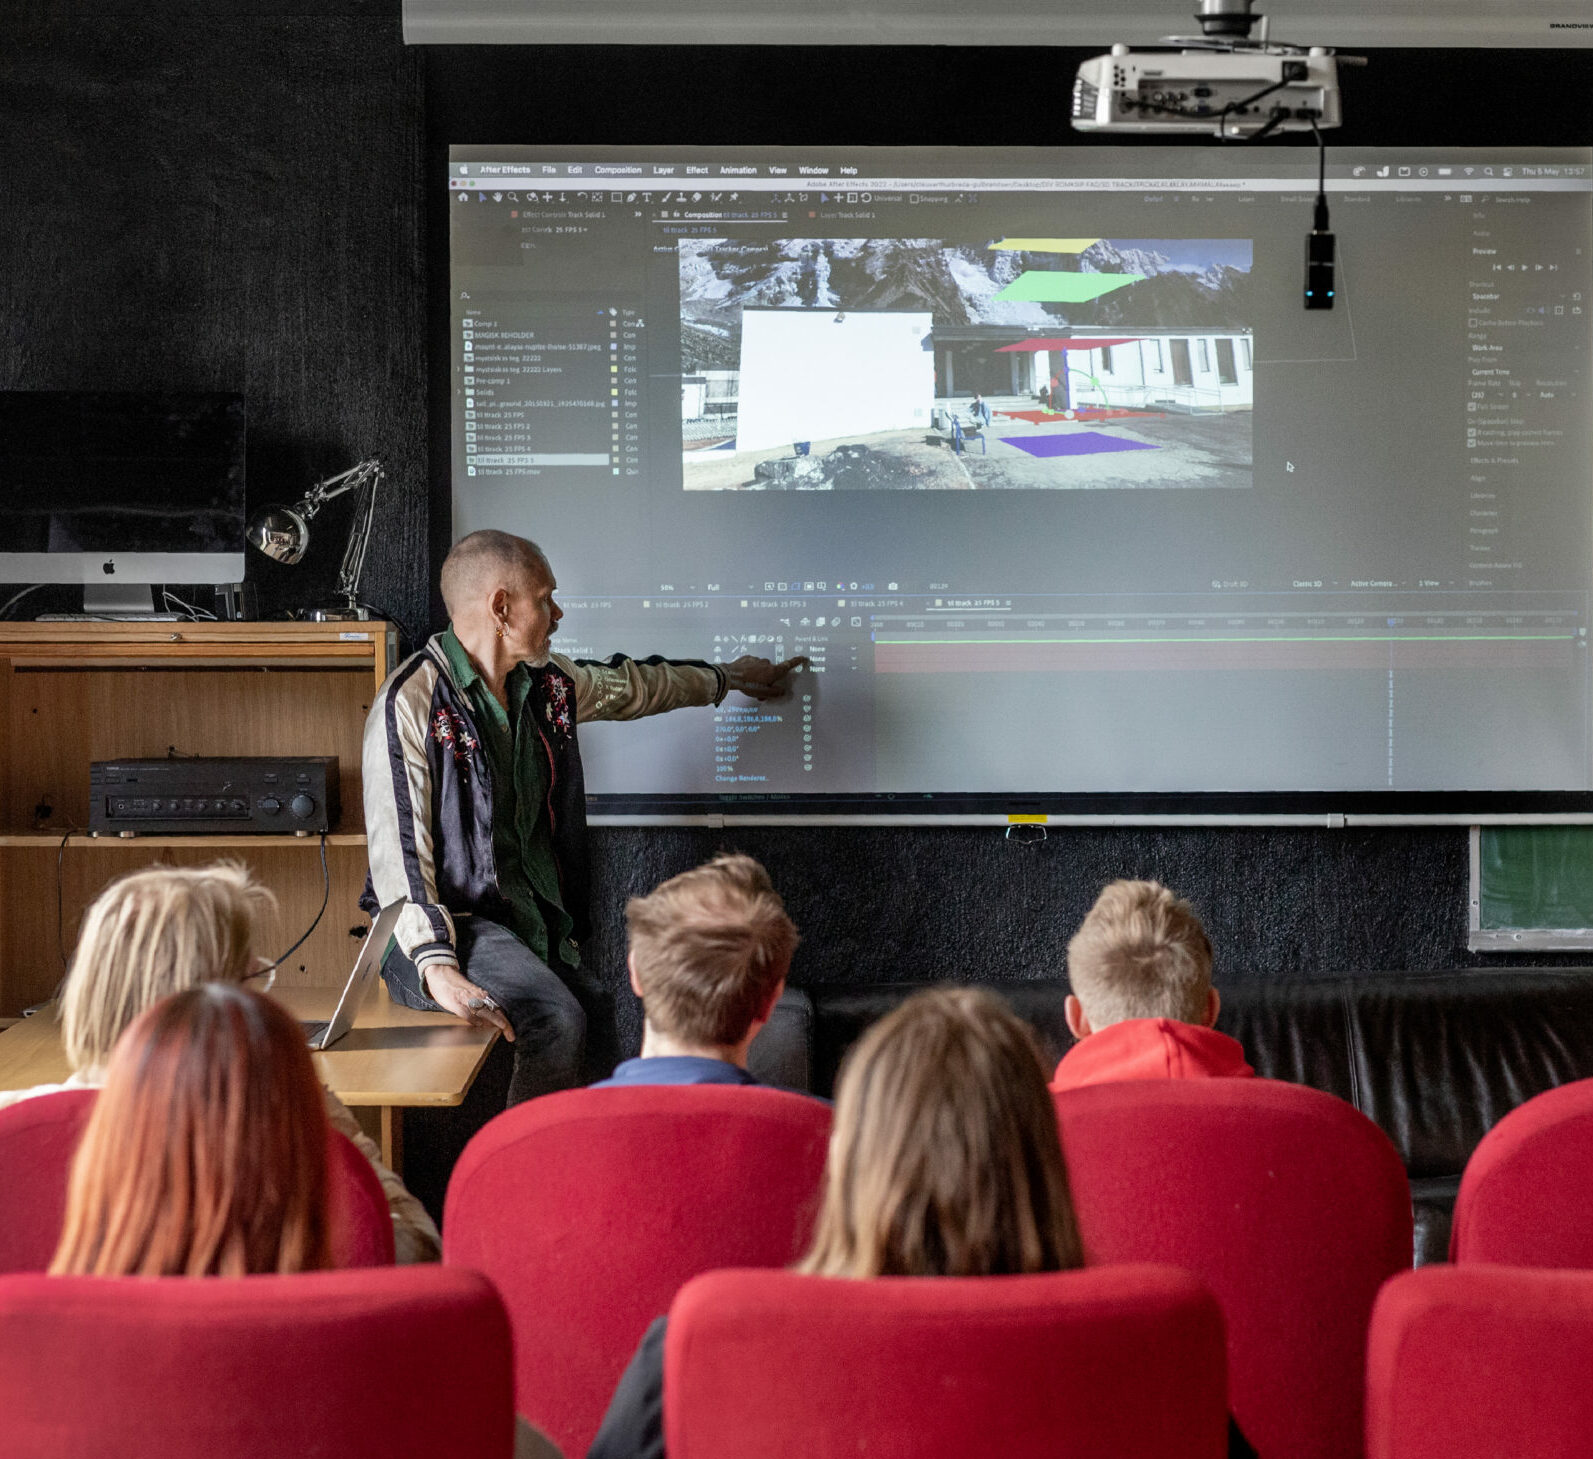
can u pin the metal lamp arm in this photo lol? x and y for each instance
(334, 486)
(359, 537)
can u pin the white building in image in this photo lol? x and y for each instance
(1197, 373)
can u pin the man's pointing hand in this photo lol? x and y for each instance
(758, 678)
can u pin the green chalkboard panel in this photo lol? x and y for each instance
(1532, 886)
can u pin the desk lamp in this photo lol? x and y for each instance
(283, 534)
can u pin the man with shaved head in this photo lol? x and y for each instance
(475, 808)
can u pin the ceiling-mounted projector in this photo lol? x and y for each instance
(1220, 82)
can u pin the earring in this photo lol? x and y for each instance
(500, 630)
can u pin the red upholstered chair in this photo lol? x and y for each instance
(590, 1209)
(1289, 1203)
(1526, 1198)
(37, 1139)
(39, 1136)
(1126, 1362)
(1479, 1362)
(362, 1224)
(395, 1363)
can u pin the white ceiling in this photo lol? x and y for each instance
(1341, 23)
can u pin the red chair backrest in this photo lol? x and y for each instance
(1481, 1361)
(1126, 1362)
(590, 1209)
(362, 1223)
(38, 1138)
(375, 1364)
(1290, 1204)
(1526, 1198)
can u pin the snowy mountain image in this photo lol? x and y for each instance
(1182, 282)
(1014, 362)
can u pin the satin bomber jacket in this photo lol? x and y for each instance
(428, 787)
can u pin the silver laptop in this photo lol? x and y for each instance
(366, 966)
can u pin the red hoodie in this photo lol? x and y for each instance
(1151, 1048)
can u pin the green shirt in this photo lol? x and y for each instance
(522, 835)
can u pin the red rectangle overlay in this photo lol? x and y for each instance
(1208, 655)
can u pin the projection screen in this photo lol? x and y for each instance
(1040, 461)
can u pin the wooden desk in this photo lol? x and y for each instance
(392, 1058)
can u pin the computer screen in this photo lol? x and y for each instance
(1039, 458)
(136, 487)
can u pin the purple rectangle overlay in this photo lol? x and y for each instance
(1076, 443)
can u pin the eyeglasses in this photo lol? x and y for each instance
(262, 980)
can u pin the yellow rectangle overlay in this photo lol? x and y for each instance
(1027, 820)
(1045, 245)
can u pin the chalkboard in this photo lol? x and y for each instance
(1531, 887)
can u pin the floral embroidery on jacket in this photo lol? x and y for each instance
(561, 715)
(448, 728)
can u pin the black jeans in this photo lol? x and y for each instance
(564, 1033)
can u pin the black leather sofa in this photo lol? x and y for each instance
(1435, 1059)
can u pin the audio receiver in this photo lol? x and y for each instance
(262, 796)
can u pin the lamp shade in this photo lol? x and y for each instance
(281, 533)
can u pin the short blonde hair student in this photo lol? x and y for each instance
(1141, 953)
(709, 950)
(150, 934)
(167, 929)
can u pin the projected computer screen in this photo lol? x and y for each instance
(1042, 462)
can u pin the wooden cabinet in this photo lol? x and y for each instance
(72, 693)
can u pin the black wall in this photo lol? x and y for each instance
(227, 201)
(217, 197)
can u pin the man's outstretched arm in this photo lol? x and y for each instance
(626, 688)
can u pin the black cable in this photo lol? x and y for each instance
(1321, 247)
(1276, 120)
(60, 915)
(1251, 100)
(404, 631)
(1279, 114)
(1320, 216)
(326, 897)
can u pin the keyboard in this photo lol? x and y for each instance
(111, 618)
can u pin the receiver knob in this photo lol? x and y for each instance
(269, 804)
(302, 806)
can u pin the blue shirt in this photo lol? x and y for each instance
(675, 1069)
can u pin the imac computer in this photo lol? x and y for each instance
(118, 491)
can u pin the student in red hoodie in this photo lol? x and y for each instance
(1142, 1005)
